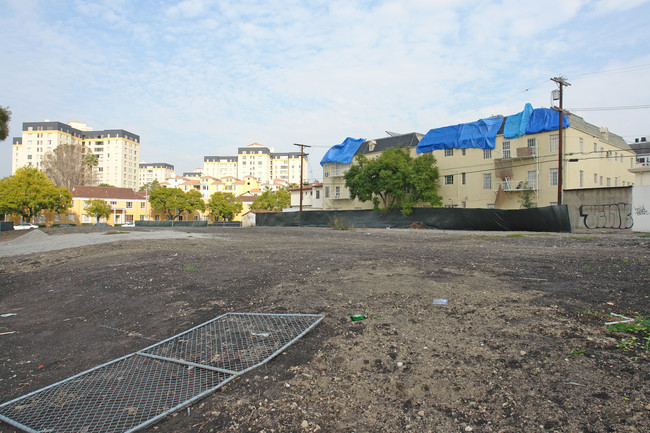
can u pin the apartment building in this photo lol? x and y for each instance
(117, 150)
(496, 172)
(150, 171)
(126, 204)
(258, 161)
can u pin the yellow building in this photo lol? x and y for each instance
(117, 150)
(126, 204)
(498, 177)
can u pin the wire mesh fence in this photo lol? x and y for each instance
(135, 391)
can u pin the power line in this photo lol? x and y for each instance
(612, 71)
(622, 107)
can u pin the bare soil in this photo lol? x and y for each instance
(521, 345)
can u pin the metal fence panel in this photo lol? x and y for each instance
(137, 390)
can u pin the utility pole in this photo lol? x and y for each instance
(561, 82)
(302, 158)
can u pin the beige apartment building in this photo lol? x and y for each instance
(158, 171)
(258, 161)
(499, 177)
(117, 150)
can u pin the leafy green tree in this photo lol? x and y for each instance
(395, 180)
(224, 205)
(29, 191)
(5, 117)
(97, 209)
(193, 202)
(174, 201)
(272, 200)
(168, 200)
(106, 185)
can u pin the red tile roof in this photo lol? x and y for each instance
(105, 192)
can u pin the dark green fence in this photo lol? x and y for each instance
(544, 219)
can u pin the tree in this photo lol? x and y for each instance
(224, 205)
(272, 200)
(147, 188)
(97, 208)
(90, 161)
(174, 201)
(64, 165)
(395, 180)
(193, 202)
(168, 200)
(526, 199)
(28, 191)
(5, 117)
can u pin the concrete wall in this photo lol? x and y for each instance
(600, 208)
(641, 211)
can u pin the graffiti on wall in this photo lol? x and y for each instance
(607, 216)
(641, 210)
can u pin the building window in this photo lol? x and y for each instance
(601, 181)
(143, 204)
(463, 178)
(580, 146)
(532, 179)
(506, 149)
(609, 181)
(595, 147)
(582, 178)
(602, 153)
(532, 145)
(337, 192)
(464, 152)
(595, 178)
(554, 138)
(449, 152)
(487, 153)
(317, 194)
(327, 192)
(553, 177)
(487, 181)
(449, 179)
(129, 205)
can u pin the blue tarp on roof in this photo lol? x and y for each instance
(480, 134)
(516, 124)
(545, 119)
(343, 152)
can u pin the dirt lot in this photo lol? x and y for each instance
(520, 347)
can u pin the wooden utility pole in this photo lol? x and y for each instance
(302, 159)
(561, 81)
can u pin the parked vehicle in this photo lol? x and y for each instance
(129, 224)
(25, 226)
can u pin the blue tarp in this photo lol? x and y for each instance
(480, 135)
(343, 152)
(516, 124)
(545, 119)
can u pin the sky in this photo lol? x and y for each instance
(195, 78)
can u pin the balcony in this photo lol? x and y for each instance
(510, 185)
(526, 152)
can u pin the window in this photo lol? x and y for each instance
(554, 139)
(595, 147)
(143, 204)
(449, 152)
(532, 179)
(463, 178)
(582, 178)
(464, 152)
(129, 205)
(449, 179)
(601, 181)
(506, 149)
(532, 145)
(602, 153)
(317, 194)
(327, 192)
(609, 181)
(487, 181)
(580, 148)
(337, 192)
(595, 178)
(553, 177)
(487, 153)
